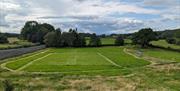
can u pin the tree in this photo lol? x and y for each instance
(119, 41)
(103, 35)
(143, 37)
(66, 39)
(171, 40)
(3, 38)
(29, 29)
(79, 41)
(52, 39)
(35, 32)
(94, 41)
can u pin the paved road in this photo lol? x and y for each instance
(16, 52)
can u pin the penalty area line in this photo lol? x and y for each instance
(3, 65)
(26, 65)
(83, 71)
(109, 60)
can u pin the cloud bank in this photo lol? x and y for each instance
(99, 16)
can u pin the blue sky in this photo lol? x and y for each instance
(99, 16)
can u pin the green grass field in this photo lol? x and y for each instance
(92, 69)
(163, 43)
(109, 41)
(76, 59)
(162, 54)
(106, 41)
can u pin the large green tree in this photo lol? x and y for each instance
(30, 28)
(35, 32)
(66, 39)
(144, 36)
(52, 39)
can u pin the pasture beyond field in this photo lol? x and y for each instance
(76, 59)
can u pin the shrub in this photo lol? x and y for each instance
(8, 86)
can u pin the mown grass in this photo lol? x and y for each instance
(75, 59)
(121, 58)
(19, 62)
(140, 78)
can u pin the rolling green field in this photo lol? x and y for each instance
(162, 54)
(76, 59)
(163, 43)
(106, 41)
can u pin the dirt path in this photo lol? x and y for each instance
(155, 62)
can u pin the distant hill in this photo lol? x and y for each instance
(168, 33)
(11, 34)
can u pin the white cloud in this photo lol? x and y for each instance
(89, 15)
(160, 3)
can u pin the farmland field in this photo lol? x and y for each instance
(163, 43)
(92, 69)
(162, 54)
(14, 43)
(106, 41)
(76, 59)
(109, 41)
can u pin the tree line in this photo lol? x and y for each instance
(3, 38)
(47, 34)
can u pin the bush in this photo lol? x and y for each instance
(171, 41)
(119, 41)
(8, 86)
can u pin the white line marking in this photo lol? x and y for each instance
(33, 55)
(108, 60)
(24, 66)
(71, 71)
(3, 65)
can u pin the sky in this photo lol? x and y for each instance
(91, 16)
